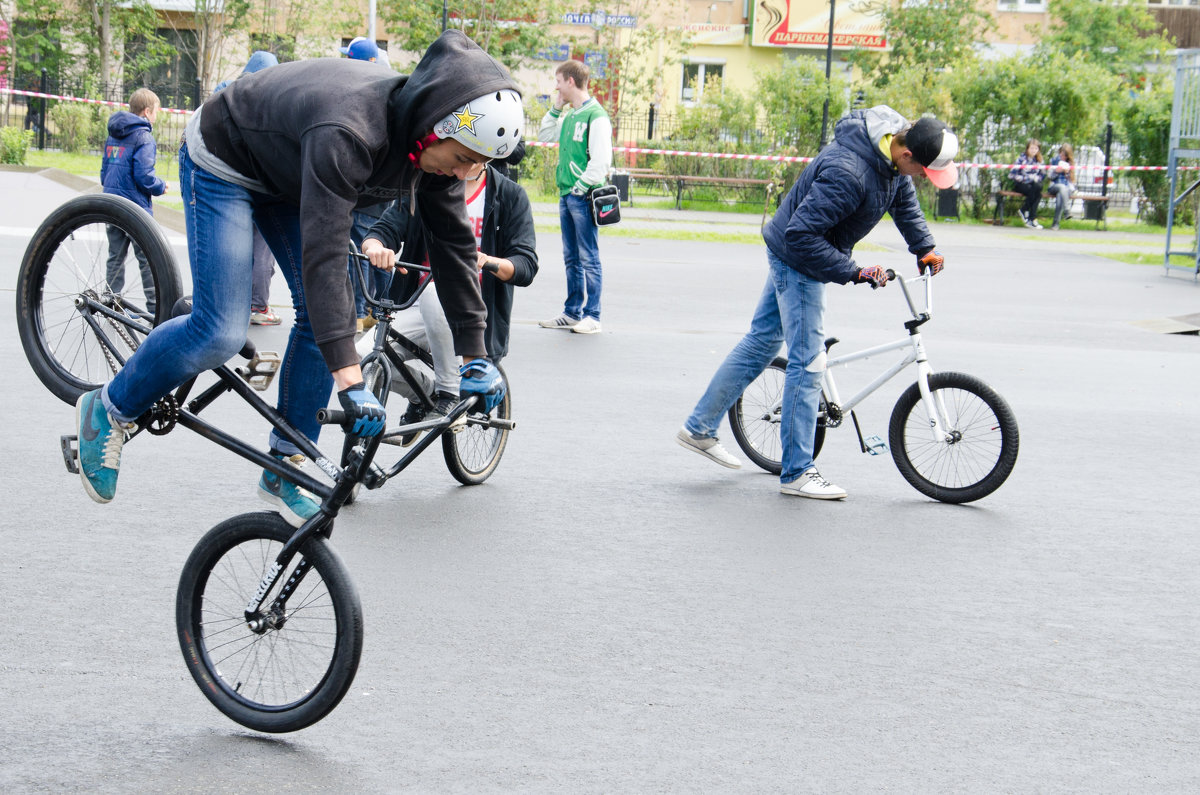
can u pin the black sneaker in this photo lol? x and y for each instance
(444, 404)
(414, 413)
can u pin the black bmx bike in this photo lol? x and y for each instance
(268, 619)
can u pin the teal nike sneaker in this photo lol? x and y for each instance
(296, 505)
(100, 441)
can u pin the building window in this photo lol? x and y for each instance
(1023, 6)
(699, 76)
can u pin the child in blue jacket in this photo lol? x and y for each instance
(128, 170)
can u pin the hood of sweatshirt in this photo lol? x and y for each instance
(122, 124)
(862, 130)
(454, 71)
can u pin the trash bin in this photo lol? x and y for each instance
(1093, 211)
(947, 203)
(621, 180)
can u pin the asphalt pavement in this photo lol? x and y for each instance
(611, 613)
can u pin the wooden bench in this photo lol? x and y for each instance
(1101, 214)
(678, 182)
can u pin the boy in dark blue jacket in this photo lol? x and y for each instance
(128, 170)
(866, 172)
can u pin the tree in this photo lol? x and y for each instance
(512, 31)
(1145, 121)
(925, 39)
(1121, 38)
(792, 98)
(1008, 101)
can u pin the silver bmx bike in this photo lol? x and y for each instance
(953, 437)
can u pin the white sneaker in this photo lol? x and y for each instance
(564, 322)
(589, 325)
(811, 484)
(707, 446)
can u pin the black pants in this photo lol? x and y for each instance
(1033, 195)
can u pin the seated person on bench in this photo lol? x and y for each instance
(500, 213)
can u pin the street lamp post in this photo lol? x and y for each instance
(445, 15)
(828, 65)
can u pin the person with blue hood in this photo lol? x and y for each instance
(130, 154)
(294, 150)
(844, 192)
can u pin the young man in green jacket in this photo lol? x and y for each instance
(584, 136)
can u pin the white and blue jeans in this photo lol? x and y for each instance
(220, 220)
(581, 255)
(790, 311)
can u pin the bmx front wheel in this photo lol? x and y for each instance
(473, 453)
(979, 448)
(287, 665)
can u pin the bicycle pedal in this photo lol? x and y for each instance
(875, 445)
(70, 451)
(261, 370)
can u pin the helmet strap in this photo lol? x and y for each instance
(419, 146)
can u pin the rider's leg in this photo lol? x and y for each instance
(743, 364)
(218, 216)
(440, 342)
(304, 380)
(801, 309)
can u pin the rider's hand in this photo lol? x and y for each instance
(872, 275)
(380, 255)
(363, 409)
(480, 377)
(933, 261)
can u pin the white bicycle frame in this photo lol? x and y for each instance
(935, 410)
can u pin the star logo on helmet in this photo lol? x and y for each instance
(466, 119)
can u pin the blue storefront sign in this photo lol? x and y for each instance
(600, 19)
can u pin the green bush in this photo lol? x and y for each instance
(1146, 119)
(14, 143)
(78, 126)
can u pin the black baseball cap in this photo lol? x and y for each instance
(934, 146)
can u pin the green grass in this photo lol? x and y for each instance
(84, 165)
(1156, 258)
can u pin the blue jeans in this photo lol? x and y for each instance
(790, 310)
(220, 220)
(581, 255)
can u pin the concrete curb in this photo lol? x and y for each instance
(166, 217)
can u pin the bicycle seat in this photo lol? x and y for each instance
(830, 342)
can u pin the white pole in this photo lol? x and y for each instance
(371, 21)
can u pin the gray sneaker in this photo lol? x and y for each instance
(707, 446)
(563, 321)
(811, 484)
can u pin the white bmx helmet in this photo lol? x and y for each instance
(490, 125)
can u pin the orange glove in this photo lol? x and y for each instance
(872, 275)
(933, 261)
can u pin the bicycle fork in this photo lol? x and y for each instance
(935, 405)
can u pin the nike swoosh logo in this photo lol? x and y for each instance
(89, 429)
(605, 213)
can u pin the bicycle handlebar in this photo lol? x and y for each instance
(331, 417)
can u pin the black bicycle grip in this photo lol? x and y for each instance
(331, 417)
(491, 267)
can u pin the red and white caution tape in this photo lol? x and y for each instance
(631, 149)
(61, 98)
